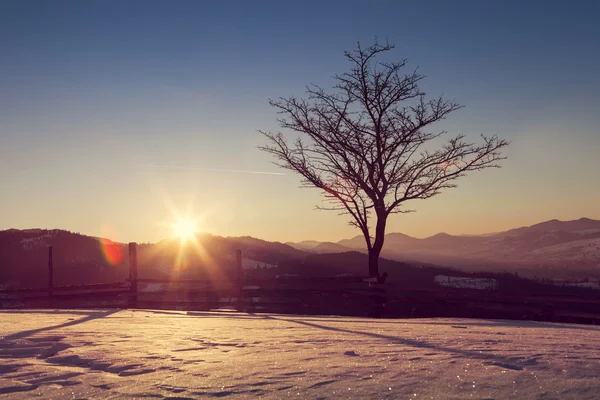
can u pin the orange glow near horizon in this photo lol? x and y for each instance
(185, 225)
(185, 229)
(192, 251)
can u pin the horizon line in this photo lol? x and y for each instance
(300, 241)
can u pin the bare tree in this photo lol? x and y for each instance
(367, 145)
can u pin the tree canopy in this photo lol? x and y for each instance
(370, 146)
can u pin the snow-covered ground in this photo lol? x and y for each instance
(248, 263)
(588, 285)
(164, 354)
(465, 282)
(38, 241)
(576, 249)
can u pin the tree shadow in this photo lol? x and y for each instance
(506, 323)
(163, 312)
(25, 345)
(471, 322)
(492, 359)
(233, 314)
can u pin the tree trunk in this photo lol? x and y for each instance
(375, 250)
(374, 263)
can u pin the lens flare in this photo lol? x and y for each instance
(113, 252)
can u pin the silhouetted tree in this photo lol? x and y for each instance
(367, 144)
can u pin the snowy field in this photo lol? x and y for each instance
(163, 354)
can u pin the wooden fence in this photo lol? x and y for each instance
(342, 296)
(318, 296)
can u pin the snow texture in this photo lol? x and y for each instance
(152, 287)
(38, 241)
(588, 285)
(465, 283)
(248, 263)
(175, 354)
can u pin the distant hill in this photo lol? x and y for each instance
(80, 259)
(552, 248)
(305, 245)
(582, 225)
(77, 258)
(209, 257)
(321, 247)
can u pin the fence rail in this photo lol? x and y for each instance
(346, 295)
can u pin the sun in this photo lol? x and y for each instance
(185, 229)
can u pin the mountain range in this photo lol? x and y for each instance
(547, 246)
(552, 249)
(80, 259)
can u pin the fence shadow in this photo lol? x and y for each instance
(89, 317)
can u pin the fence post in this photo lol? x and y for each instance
(50, 277)
(133, 294)
(239, 278)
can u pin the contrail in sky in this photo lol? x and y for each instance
(216, 169)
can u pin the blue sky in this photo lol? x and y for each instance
(114, 115)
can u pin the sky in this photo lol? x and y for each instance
(116, 117)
